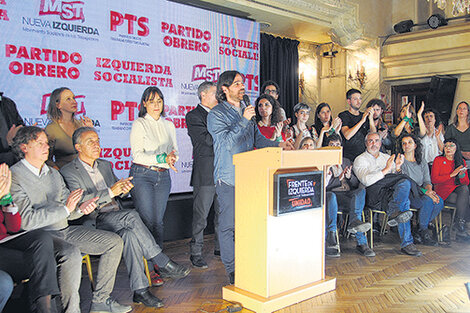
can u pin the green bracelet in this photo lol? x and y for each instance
(6, 199)
(161, 158)
(409, 120)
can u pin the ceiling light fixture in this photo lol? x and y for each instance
(459, 6)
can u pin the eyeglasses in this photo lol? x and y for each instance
(452, 145)
(271, 92)
(237, 84)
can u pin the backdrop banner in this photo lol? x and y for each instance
(108, 52)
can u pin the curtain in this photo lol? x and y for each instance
(279, 61)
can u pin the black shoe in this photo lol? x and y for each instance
(174, 270)
(147, 299)
(411, 250)
(198, 261)
(461, 235)
(332, 247)
(417, 238)
(426, 238)
(365, 250)
(399, 217)
(231, 278)
(357, 226)
(217, 252)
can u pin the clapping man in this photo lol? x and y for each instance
(96, 178)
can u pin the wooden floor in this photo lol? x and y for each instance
(389, 282)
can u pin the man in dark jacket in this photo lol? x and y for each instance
(202, 176)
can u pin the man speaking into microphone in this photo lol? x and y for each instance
(233, 129)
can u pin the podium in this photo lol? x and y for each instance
(279, 260)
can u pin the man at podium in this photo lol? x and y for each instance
(233, 128)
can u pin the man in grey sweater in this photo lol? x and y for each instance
(44, 202)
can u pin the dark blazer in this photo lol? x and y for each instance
(203, 151)
(8, 116)
(76, 176)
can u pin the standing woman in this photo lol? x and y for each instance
(154, 152)
(61, 111)
(268, 118)
(324, 124)
(450, 178)
(460, 129)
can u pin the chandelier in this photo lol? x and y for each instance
(459, 6)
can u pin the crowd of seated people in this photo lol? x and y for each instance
(51, 176)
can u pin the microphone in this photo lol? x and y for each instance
(246, 99)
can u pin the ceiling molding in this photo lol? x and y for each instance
(339, 17)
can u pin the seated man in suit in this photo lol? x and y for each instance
(380, 173)
(44, 202)
(95, 176)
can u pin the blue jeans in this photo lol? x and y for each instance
(354, 201)
(6, 287)
(150, 195)
(331, 212)
(400, 202)
(427, 209)
(226, 231)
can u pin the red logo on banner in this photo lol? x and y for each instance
(4, 15)
(3, 12)
(79, 99)
(201, 72)
(117, 19)
(67, 10)
(251, 82)
(186, 37)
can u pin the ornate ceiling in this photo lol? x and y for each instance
(309, 20)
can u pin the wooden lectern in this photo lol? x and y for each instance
(279, 260)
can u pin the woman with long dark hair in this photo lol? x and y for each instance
(450, 178)
(61, 111)
(268, 118)
(324, 124)
(425, 199)
(154, 152)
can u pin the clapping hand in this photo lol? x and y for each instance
(12, 133)
(421, 109)
(457, 171)
(88, 206)
(86, 121)
(73, 199)
(399, 160)
(171, 160)
(122, 186)
(5, 180)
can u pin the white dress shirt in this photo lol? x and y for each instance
(368, 168)
(430, 147)
(150, 137)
